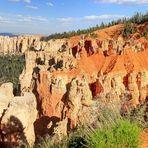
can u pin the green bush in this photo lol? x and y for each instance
(122, 134)
(129, 29)
(126, 134)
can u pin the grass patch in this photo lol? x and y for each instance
(122, 134)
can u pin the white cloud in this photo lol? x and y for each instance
(40, 24)
(31, 7)
(70, 20)
(31, 18)
(22, 18)
(49, 4)
(3, 20)
(26, 1)
(131, 2)
(103, 17)
(20, 23)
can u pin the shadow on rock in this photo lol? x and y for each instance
(12, 134)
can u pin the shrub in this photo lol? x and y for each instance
(126, 134)
(122, 134)
(73, 140)
(93, 35)
(77, 141)
(129, 29)
(46, 142)
(139, 116)
(145, 34)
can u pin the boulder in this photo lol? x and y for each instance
(6, 94)
(17, 121)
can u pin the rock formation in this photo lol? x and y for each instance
(143, 86)
(6, 94)
(17, 117)
(20, 44)
(65, 84)
(11, 45)
(68, 78)
(79, 95)
(133, 88)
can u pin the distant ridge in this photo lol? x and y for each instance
(7, 34)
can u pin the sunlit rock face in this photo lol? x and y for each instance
(18, 115)
(19, 44)
(68, 78)
(6, 94)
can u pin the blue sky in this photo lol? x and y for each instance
(50, 16)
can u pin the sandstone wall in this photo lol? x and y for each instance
(20, 44)
(17, 44)
(66, 93)
(61, 77)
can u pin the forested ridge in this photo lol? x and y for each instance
(129, 23)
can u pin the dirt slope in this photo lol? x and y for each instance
(144, 138)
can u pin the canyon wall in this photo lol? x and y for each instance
(20, 44)
(68, 83)
(63, 81)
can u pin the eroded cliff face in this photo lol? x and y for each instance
(67, 82)
(107, 45)
(11, 45)
(20, 44)
(68, 78)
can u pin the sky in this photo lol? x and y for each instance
(51, 16)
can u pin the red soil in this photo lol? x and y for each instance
(144, 138)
